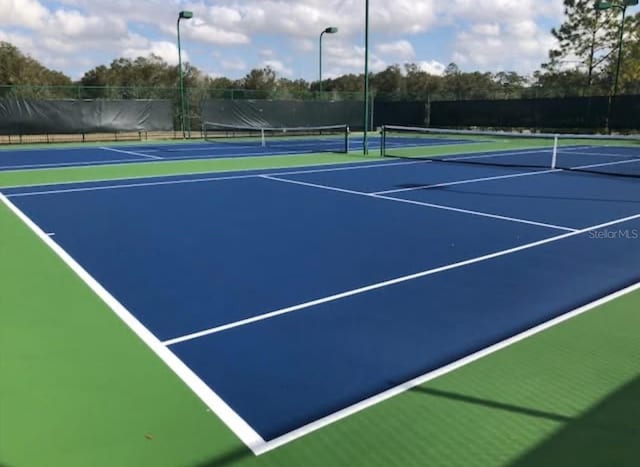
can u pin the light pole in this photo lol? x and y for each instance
(365, 120)
(330, 30)
(622, 6)
(182, 15)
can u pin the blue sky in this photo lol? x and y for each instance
(228, 38)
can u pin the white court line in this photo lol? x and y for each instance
(241, 428)
(232, 155)
(600, 154)
(138, 161)
(170, 159)
(420, 203)
(205, 179)
(406, 161)
(328, 144)
(463, 182)
(133, 153)
(400, 145)
(606, 164)
(379, 285)
(477, 155)
(394, 391)
(492, 155)
(64, 164)
(338, 169)
(125, 185)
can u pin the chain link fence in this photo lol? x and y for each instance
(194, 98)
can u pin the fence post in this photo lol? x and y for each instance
(427, 111)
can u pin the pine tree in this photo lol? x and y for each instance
(586, 39)
(630, 64)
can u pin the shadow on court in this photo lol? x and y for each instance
(606, 435)
(492, 404)
(230, 457)
(501, 195)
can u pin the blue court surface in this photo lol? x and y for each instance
(59, 157)
(294, 297)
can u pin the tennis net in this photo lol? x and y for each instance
(603, 154)
(308, 139)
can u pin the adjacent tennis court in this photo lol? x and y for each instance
(220, 141)
(290, 299)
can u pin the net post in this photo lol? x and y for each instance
(554, 157)
(383, 140)
(346, 139)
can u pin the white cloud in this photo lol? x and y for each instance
(200, 31)
(225, 16)
(486, 29)
(501, 34)
(25, 13)
(432, 67)
(65, 61)
(523, 28)
(503, 10)
(307, 45)
(344, 56)
(401, 50)
(214, 74)
(267, 53)
(71, 24)
(347, 58)
(279, 67)
(308, 18)
(235, 64)
(513, 49)
(24, 43)
(163, 49)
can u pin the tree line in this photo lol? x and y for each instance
(584, 63)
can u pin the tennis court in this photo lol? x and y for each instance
(226, 143)
(22, 159)
(290, 299)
